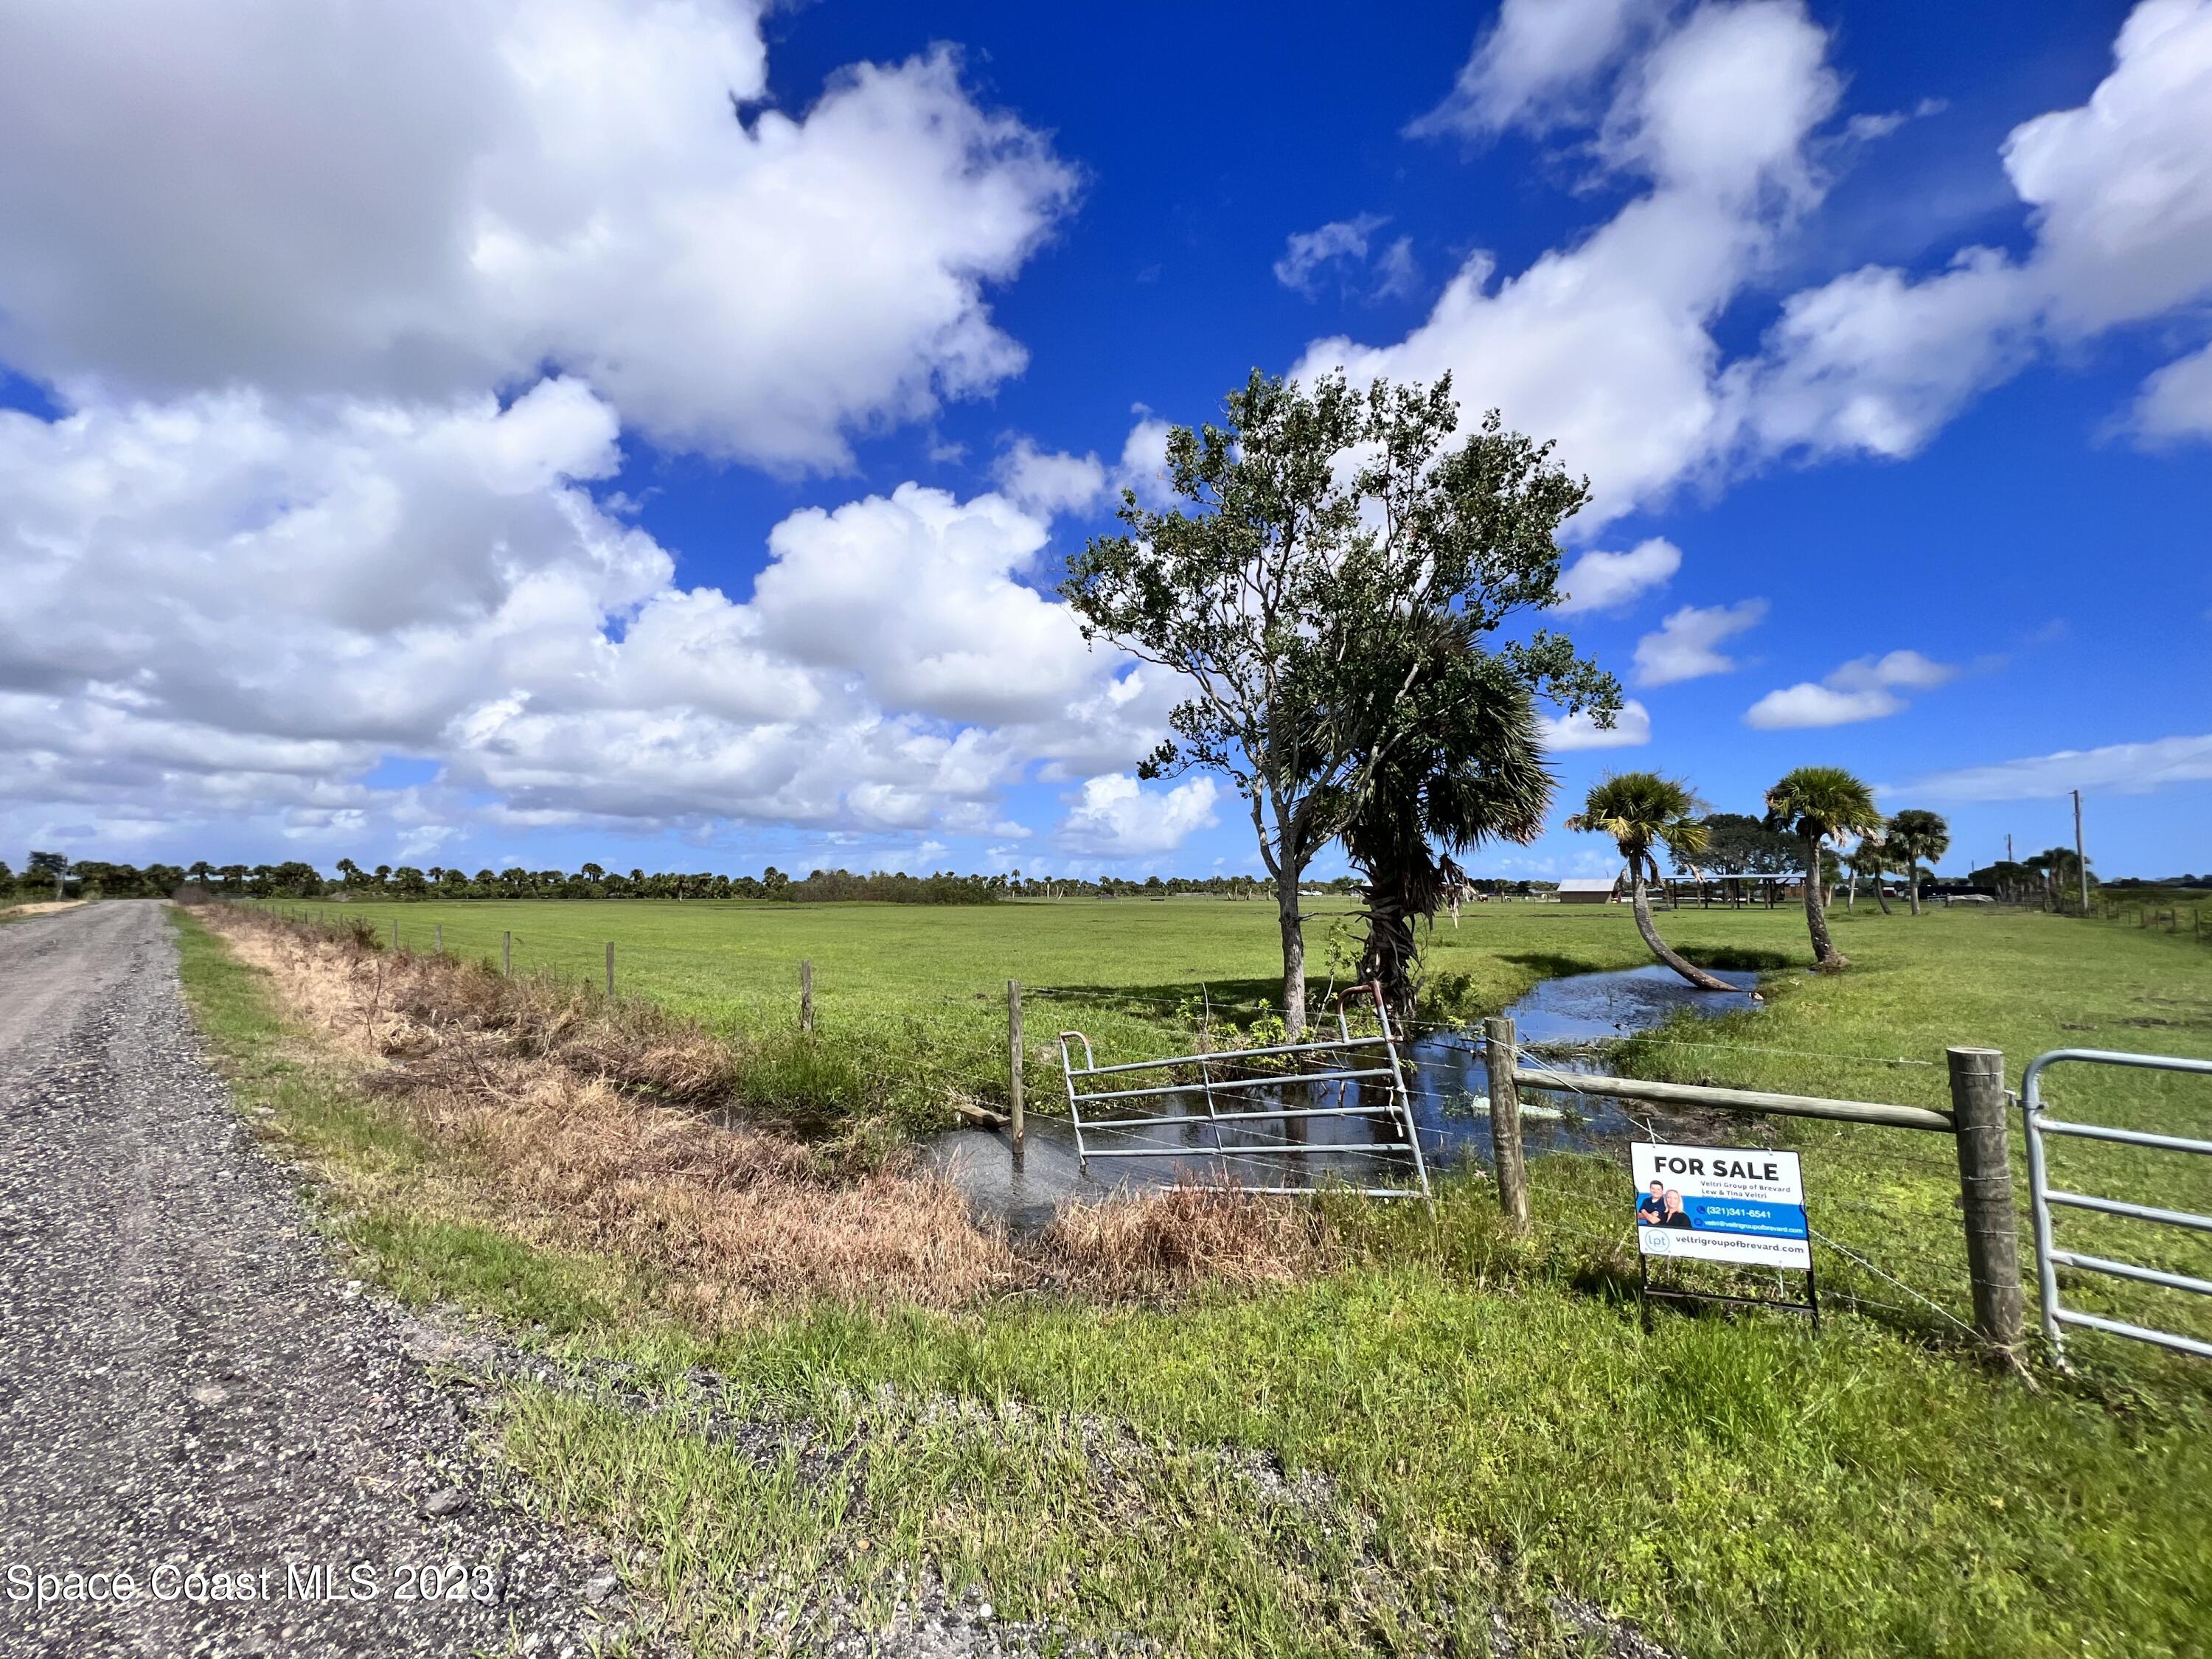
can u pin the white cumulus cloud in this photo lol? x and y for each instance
(2118, 194)
(1117, 817)
(1630, 729)
(1342, 246)
(1865, 689)
(2176, 401)
(312, 196)
(1605, 345)
(1686, 644)
(1724, 114)
(1307, 251)
(1049, 481)
(225, 606)
(1609, 581)
(1539, 54)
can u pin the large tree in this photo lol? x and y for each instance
(1641, 811)
(1916, 833)
(1738, 844)
(1323, 534)
(1819, 805)
(47, 866)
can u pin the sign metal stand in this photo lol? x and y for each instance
(1811, 1304)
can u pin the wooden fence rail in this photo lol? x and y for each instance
(1976, 1125)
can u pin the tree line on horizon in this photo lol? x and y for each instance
(1737, 845)
(95, 878)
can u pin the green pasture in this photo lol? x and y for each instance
(910, 1014)
(920, 990)
(1455, 1426)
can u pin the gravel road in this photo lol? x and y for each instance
(189, 1393)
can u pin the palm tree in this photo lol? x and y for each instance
(1470, 767)
(2059, 870)
(1639, 810)
(1915, 835)
(1870, 858)
(1821, 803)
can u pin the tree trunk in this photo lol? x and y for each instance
(1912, 879)
(1640, 901)
(1851, 892)
(1826, 957)
(1391, 950)
(1294, 955)
(1880, 897)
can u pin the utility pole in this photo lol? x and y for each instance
(2007, 847)
(2081, 863)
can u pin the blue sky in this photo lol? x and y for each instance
(402, 443)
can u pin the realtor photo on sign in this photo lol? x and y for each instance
(1721, 1203)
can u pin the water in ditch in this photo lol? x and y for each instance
(1445, 1075)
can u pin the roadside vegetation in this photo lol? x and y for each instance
(1230, 1427)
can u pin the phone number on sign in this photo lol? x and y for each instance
(296, 1580)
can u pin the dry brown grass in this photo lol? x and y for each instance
(607, 1127)
(1165, 1244)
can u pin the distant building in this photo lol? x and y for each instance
(1589, 890)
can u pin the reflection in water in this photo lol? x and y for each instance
(1445, 1076)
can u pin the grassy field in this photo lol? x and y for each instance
(917, 993)
(910, 1012)
(1452, 1422)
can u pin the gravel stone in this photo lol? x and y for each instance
(192, 1395)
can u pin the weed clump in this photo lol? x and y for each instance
(1163, 1243)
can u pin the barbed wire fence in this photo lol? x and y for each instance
(1869, 1258)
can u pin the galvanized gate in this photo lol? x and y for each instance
(1314, 1069)
(2042, 1196)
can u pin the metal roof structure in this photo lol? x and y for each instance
(1589, 884)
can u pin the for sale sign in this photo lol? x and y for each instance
(1721, 1203)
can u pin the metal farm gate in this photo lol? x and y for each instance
(1222, 1118)
(2042, 1196)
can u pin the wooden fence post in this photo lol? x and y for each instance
(1014, 1057)
(610, 971)
(442, 938)
(1497, 1058)
(806, 995)
(507, 953)
(395, 933)
(1981, 1107)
